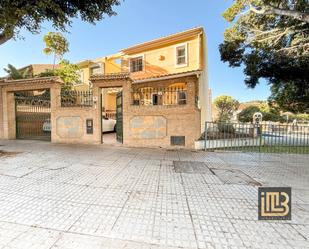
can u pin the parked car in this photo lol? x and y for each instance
(108, 124)
(47, 125)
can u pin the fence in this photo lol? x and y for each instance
(269, 138)
(159, 96)
(76, 98)
(30, 104)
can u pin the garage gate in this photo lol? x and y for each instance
(33, 117)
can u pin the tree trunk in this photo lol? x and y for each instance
(304, 17)
(54, 62)
(4, 38)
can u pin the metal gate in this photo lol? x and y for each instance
(33, 117)
(119, 117)
(265, 138)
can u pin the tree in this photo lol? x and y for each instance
(269, 113)
(55, 44)
(19, 14)
(67, 72)
(16, 74)
(281, 25)
(246, 115)
(226, 105)
(292, 96)
(270, 38)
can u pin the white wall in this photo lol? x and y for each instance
(204, 93)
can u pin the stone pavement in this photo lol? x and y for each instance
(71, 197)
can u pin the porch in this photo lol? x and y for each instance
(156, 112)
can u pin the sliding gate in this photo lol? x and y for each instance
(33, 117)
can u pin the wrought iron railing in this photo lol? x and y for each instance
(159, 96)
(39, 104)
(76, 98)
(269, 138)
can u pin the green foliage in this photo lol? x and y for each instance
(226, 105)
(272, 116)
(269, 114)
(299, 117)
(19, 14)
(246, 114)
(292, 95)
(67, 72)
(270, 39)
(47, 73)
(226, 127)
(55, 44)
(16, 74)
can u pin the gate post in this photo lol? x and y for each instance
(205, 134)
(9, 126)
(97, 114)
(1, 114)
(55, 103)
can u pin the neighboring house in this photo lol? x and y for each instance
(35, 69)
(102, 65)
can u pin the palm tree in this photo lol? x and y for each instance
(15, 74)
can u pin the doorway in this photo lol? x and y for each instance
(111, 115)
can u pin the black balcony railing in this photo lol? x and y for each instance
(159, 96)
(76, 98)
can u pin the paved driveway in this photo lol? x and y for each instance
(70, 197)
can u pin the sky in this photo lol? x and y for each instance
(139, 21)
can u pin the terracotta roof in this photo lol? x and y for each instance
(110, 76)
(168, 75)
(164, 39)
(32, 80)
(126, 75)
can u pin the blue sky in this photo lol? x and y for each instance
(138, 21)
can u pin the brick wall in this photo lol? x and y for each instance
(143, 126)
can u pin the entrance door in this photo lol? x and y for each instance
(33, 117)
(119, 118)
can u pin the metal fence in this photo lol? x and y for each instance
(159, 96)
(76, 98)
(268, 138)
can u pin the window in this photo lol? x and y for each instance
(182, 98)
(181, 55)
(157, 99)
(136, 64)
(96, 69)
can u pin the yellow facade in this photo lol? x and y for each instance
(159, 57)
(106, 64)
(162, 60)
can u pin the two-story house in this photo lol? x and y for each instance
(153, 94)
(164, 84)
